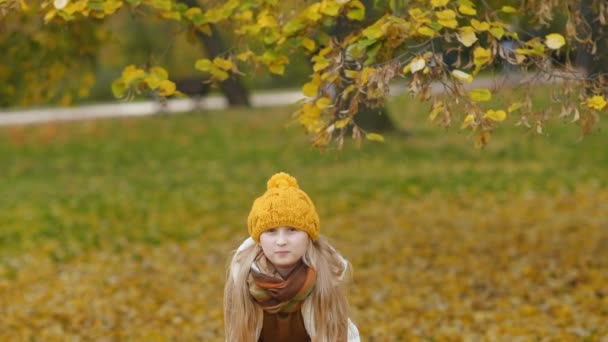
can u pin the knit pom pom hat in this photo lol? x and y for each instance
(283, 204)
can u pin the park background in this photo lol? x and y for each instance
(121, 229)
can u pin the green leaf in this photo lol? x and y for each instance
(119, 88)
(96, 5)
(374, 32)
(372, 52)
(293, 26)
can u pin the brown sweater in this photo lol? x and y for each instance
(284, 327)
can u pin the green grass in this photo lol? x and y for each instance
(68, 187)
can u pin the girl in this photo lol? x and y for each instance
(285, 281)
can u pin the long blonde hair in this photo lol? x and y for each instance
(243, 317)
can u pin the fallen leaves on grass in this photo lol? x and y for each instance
(493, 267)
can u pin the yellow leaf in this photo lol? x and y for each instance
(152, 81)
(439, 3)
(481, 56)
(330, 8)
(24, 6)
(244, 56)
(266, 20)
(554, 41)
(467, 36)
(515, 106)
(495, 115)
(323, 102)
(426, 31)
(167, 88)
(497, 32)
(243, 16)
(219, 74)
(467, 10)
(480, 26)
(293, 26)
(309, 44)
(417, 64)
(310, 117)
(278, 69)
(206, 29)
(596, 102)
(356, 11)
(375, 137)
(131, 73)
(447, 18)
(418, 14)
(365, 73)
(467, 121)
(159, 72)
(508, 9)
(321, 63)
(222, 63)
(50, 15)
(343, 122)
(463, 76)
(449, 23)
(119, 88)
(480, 95)
(348, 90)
(436, 109)
(325, 51)
(374, 31)
(351, 73)
(312, 12)
(311, 88)
(446, 14)
(203, 64)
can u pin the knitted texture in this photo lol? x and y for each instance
(283, 204)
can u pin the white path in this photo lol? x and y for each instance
(211, 102)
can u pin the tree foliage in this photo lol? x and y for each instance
(423, 42)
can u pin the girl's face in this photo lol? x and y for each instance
(284, 247)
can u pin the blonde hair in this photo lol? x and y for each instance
(243, 317)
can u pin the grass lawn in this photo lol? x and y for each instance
(121, 228)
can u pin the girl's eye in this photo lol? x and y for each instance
(271, 231)
(291, 230)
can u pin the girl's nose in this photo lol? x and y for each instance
(281, 240)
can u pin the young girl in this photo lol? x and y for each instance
(285, 281)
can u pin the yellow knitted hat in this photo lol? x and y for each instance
(283, 204)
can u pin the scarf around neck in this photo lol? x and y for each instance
(275, 293)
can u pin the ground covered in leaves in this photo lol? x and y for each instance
(121, 229)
